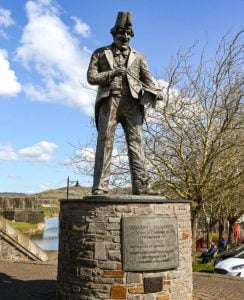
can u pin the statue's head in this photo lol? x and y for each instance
(122, 31)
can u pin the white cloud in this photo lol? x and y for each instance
(40, 152)
(7, 153)
(5, 17)
(49, 48)
(81, 27)
(9, 84)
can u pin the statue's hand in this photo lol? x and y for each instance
(120, 71)
(160, 95)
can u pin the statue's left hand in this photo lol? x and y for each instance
(159, 96)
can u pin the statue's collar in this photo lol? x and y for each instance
(109, 55)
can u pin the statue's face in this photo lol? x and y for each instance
(122, 38)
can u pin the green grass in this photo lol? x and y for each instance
(24, 227)
(49, 211)
(57, 194)
(198, 267)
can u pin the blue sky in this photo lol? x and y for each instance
(45, 47)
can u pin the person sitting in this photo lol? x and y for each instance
(208, 255)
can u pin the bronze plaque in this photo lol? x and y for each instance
(149, 243)
(153, 284)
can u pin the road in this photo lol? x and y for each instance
(36, 281)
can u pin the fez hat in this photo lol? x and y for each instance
(124, 20)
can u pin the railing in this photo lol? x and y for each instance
(22, 243)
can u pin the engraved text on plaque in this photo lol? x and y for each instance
(149, 243)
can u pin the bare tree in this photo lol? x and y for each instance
(194, 142)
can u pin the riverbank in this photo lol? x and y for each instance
(49, 211)
(28, 228)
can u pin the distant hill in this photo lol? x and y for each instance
(9, 194)
(52, 196)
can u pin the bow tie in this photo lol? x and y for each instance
(118, 52)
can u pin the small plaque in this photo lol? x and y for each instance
(153, 284)
(149, 243)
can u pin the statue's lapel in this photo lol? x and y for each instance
(109, 56)
(132, 57)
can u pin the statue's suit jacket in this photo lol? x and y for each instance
(100, 73)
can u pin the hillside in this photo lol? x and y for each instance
(9, 194)
(52, 196)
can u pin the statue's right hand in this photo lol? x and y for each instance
(119, 71)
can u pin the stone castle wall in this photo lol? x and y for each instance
(17, 203)
(20, 209)
(90, 255)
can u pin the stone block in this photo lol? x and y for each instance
(100, 251)
(133, 278)
(163, 297)
(123, 208)
(113, 226)
(99, 279)
(107, 265)
(113, 274)
(149, 297)
(98, 286)
(79, 227)
(114, 255)
(167, 284)
(116, 239)
(114, 220)
(134, 297)
(143, 210)
(87, 254)
(113, 246)
(96, 219)
(88, 263)
(136, 289)
(118, 292)
(163, 209)
(96, 227)
(186, 235)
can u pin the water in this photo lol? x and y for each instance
(48, 239)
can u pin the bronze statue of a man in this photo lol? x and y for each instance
(121, 73)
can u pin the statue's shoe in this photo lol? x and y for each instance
(98, 192)
(146, 191)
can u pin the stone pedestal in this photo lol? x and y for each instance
(124, 247)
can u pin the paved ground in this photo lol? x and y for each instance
(217, 287)
(31, 281)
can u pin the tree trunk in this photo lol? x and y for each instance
(221, 228)
(230, 233)
(209, 238)
(210, 235)
(207, 235)
(194, 224)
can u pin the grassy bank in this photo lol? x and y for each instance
(25, 227)
(198, 267)
(49, 211)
